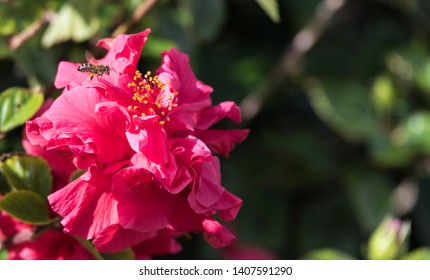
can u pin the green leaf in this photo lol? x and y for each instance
(3, 254)
(418, 254)
(25, 172)
(270, 7)
(17, 105)
(344, 106)
(89, 246)
(76, 174)
(75, 21)
(126, 254)
(26, 206)
(327, 254)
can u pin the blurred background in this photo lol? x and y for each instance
(336, 94)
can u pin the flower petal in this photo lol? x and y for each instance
(86, 206)
(51, 245)
(228, 206)
(114, 238)
(163, 243)
(193, 95)
(223, 141)
(190, 150)
(217, 235)
(123, 53)
(69, 76)
(150, 139)
(184, 118)
(84, 123)
(142, 204)
(191, 90)
(207, 189)
(216, 113)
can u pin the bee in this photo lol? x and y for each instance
(93, 68)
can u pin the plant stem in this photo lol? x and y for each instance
(291, 58)
(138, 14)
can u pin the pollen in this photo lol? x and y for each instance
(151, 96)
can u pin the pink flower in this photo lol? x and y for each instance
(22, 242)
(51, 245)
(148, 148)
(9, 226)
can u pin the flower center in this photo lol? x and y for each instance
(152, 97)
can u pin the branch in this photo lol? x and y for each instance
(17, 40)
(291, 59)
(138, 14)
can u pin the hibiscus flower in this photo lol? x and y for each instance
(147, 146)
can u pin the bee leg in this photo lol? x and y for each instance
(91, 76)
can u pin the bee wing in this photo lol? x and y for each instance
(90, 58)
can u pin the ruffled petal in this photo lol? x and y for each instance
(125, 47)
(85, 124)
(214, 114)
(228, 206)
(163, 243)
(190, 150)
(142, 204)
(223, 141)
(114, 238)
(207, 188)
(69, 76)
(123, 55)
(193, 95)
(184, 119)
(51, 245)
(217, 235)
(87, 207)
(149, 138)
(191, 90)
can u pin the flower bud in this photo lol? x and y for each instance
(389, 240)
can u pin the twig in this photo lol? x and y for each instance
(292, 57)
(17, 40)
(138, 14)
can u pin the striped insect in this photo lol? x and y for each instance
(93, 68)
